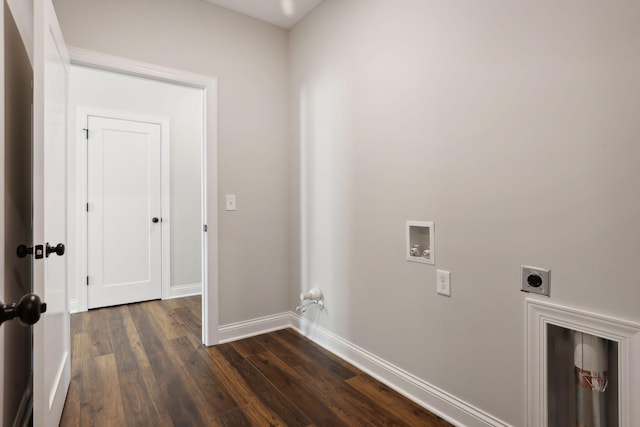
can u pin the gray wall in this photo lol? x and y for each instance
(514, 126)
(249, 58)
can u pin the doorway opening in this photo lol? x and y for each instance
(182, 220)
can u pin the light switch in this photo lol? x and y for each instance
(231, 202)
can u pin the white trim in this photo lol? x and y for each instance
(60, 386)
(441, 403)
(249, 328)
(626, 334)
(132, 67)
(181, 291)
(2, 197)
(210, 161)
(74, 306)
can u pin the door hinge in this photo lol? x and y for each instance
(87, 207)
(205, 228)
(87, 280)
(86, 133)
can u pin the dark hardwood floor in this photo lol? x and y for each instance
(143, 364)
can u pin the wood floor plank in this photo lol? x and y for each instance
(311, 351)
(235, 418)
(205, 378)
(144, 365)
(262, 388)
(191, 319)
(138, 408)
(150, 339)
(329, 381)
(248, 346)
(148, 379)
(101, 402)
(170, 323)
(409, 412)
(255, 408)
(184, 402)
(295, 388)
(96, 339)
(194, 302)
(327, 388)
(126, 360)
(137, 382)
(176, 302)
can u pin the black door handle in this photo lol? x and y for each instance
(155, 219)
(22, 251)
(27, 310)
(57, 249)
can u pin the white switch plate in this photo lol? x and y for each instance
(443, 282)
(230, 202)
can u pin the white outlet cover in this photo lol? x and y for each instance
(443, 282)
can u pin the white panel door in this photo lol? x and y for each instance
(51, 361)
(124, 218)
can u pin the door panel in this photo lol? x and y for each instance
(51, 368)
(124, 194)
(16, 383)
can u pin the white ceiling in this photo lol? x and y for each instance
(283, 13)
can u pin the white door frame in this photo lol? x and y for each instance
(82, 115)
(2, 343)
(209, 85)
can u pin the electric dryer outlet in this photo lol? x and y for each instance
(536, 280)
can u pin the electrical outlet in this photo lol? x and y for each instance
(443, 282)
(536, 280)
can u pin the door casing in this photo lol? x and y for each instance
(209, 174)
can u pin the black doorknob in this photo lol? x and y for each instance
(23, 251)
(57, 249)
(27, 310)
(37, 251)
(155, 219)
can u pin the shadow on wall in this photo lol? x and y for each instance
(325, 199)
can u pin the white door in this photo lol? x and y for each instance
(51, 364)
(124, 212)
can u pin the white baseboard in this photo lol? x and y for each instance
(185, 290)
(250, 328)
(73, 306)
(438, 401)
(174, 292)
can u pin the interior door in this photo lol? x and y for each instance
(51, 364)
(124, 211)
(15, 383)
